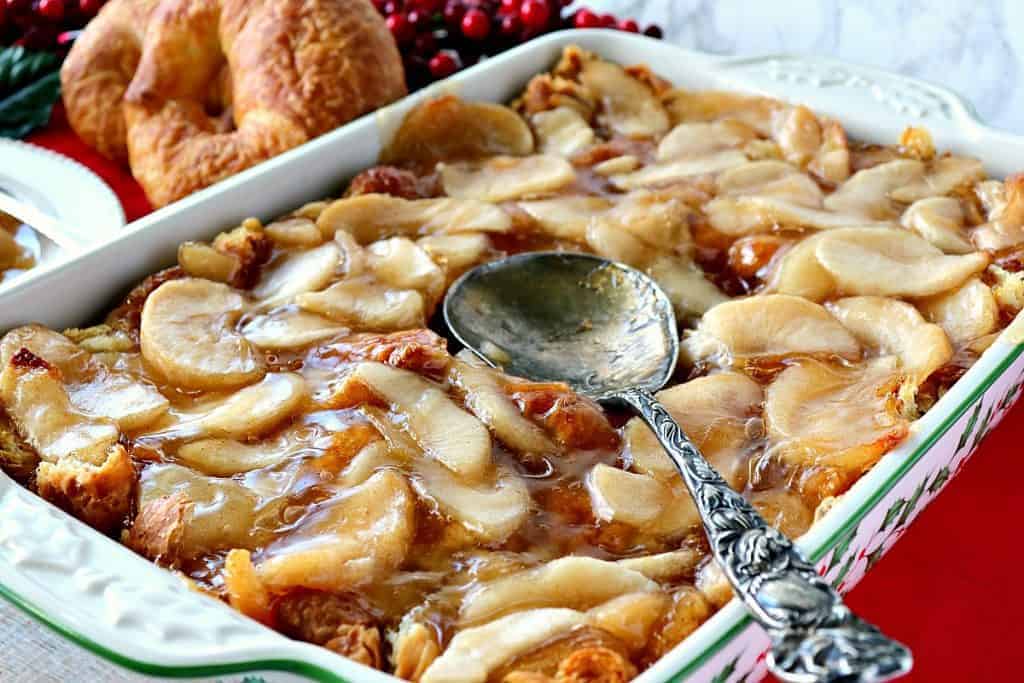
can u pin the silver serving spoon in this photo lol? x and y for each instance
(609, 332)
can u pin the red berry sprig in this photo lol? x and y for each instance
(44, 24)
(439, 37)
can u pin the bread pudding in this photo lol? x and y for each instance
(277, 418)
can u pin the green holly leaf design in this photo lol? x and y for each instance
(969, 429)
(892, 513)
(874, 556)
(847, 566)
(911, 504)
(29, 87)
(941, 477)
(842, 547)
(724, 674)
(982, 430)
(1009, 397)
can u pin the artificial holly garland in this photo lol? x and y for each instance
(436, 39)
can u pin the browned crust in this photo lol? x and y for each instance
(159, 527)
(99, 495)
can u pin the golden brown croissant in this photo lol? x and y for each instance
(217, 86)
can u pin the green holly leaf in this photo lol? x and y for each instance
(892, 512)
(911, 504)
(969, 429)
(844, 571)
(982, 430)
(29, 87)
(842, 547)
(724, 674)
(874, 556)
(941, 477)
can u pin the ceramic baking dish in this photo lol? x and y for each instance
(123, 608)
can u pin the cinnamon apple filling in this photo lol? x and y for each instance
(275, 418)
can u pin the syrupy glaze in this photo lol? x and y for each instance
(279, 418)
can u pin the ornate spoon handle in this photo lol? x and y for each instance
(815, 637)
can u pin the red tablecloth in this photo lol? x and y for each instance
(949, 587)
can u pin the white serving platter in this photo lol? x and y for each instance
(99, 594)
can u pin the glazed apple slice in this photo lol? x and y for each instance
(447, 433)
(307, 270)
(499, 179)
(348, 540)
(967, 313)
(773, 325)
(628, 107)
(940, 220)
(562, 131)
(187, 334)
(575, 582)
(689, 140)
(371, 217)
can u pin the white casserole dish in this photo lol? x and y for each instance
(121, 607)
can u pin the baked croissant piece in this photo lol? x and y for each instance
(189, 92)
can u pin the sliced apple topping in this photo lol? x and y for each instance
(246, 413)
(401, 263)
(667, 566)
(617, 165)
(227, 457)
(456, 252)
(712, 105)
(1004, 206)
(297, 231)
(187, 334)
(770, 178)
(575, 582)
(499, 179)
(367, 305)
(371, 217)
(739, 216)
(689, 140)
(288, 328)
(846, 417)
(798, 272)
(798, 133)
(714, 411)
(307, 270)
(661, 222)
(832, 160)
(354, 537)
(444, 431)
(772, 325)
(257, 409)
(867, 193)
(892, 262)
(475, 652)
(684, 282)
(485, 397)
(199, 259)
(566, 217)
(130, 402)
(642, 502)
(491, 508)
(428, 132)
(895, 328)
(940, 220)
(562, 131)
(966, 314)
(628, 107)
(92, 387)
(669, 172)
(942, 177)
(183, 514)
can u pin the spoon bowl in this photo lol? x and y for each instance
(599, 326)
(609, 332)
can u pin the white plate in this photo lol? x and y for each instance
(63, 188)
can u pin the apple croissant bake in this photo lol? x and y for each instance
(275, 419)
